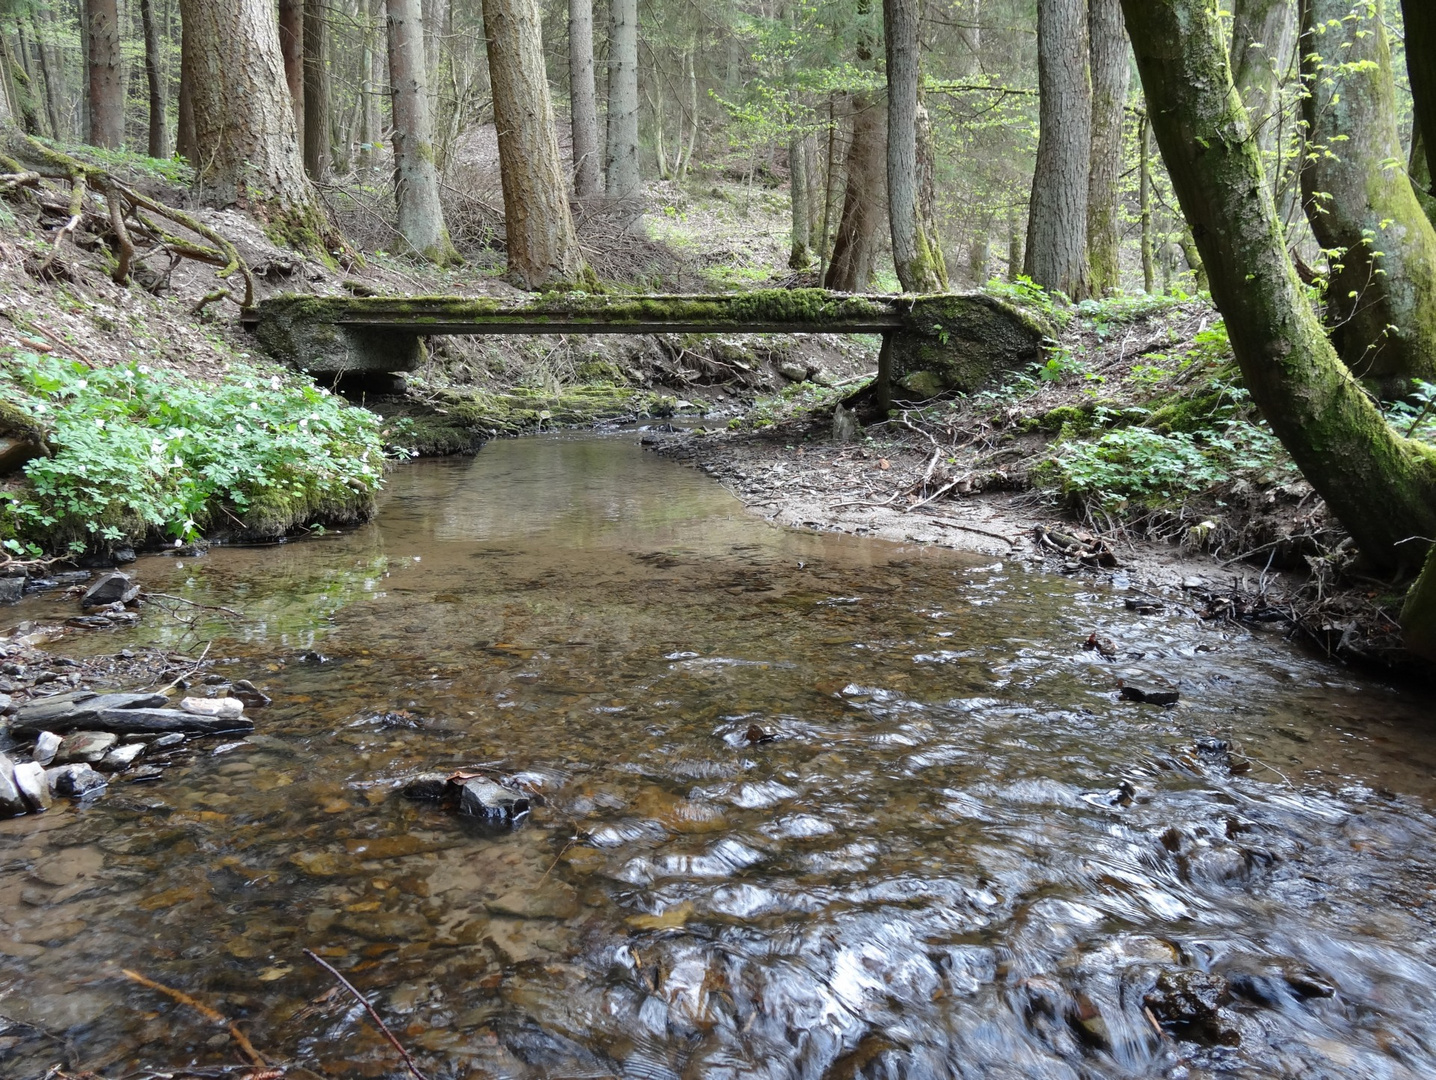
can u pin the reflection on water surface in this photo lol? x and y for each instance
(960, 856)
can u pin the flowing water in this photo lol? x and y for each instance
(961, 855)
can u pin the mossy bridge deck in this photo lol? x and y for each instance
(961, 340)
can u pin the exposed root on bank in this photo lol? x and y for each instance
(129, 218)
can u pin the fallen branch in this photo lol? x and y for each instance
(370, 1010)
(77, 214)
(245, 1046)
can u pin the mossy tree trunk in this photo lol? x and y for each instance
(912, 247)
(1382, 487)
(246, 149)
(1110, 77)
(1381, 287)
(542, 246)
(106, 67)
(416, 176)
(1057, 217)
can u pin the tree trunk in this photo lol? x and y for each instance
(1381, 291)
(1057, 216)
(800, 252)
(1110, 74)
(107, 88)
(317, 137)
(1263, 49)
(21, 90)
(856, 243)
(159, 127)
(291, 48)
(1382, 487)
(927, 196)
(1014, 249)
(374, 57)
(416, 178)
(583, 100)
(1419, 17)
(52, 67)
(185, 144)
(621, 165)
(912, 248)
(830, 189)
(1420, 169)
(245, 142)
(50, 73)
(1144, 199)
(542, 247)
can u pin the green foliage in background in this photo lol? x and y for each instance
(138, 453)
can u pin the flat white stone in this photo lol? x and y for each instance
(224, 707)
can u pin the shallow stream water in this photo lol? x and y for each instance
(961, 855)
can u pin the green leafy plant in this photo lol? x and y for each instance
(139, 452)
(1134, 465)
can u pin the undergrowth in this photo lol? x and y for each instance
(137, 453)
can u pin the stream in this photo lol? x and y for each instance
(959, 855)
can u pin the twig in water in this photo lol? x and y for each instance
(370, 1010)
(192, 671)
(245, 1046)
(193, 604)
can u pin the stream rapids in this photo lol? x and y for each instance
(959, 854)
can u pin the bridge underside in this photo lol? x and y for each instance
(937, 343)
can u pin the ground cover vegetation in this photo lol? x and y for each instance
(1009, 145)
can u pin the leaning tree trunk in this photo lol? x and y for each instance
(416, 179)
(856, 243)
(1381, 289)
(583, 100)
(1382, 487)
(159, 127)
(542, 247)
(316, 137)
(291, 48)
(107, 87)
(912, 247)
(50, 73)
(1057, 216)
(1110, 74)
(244, 139)
(621, 164)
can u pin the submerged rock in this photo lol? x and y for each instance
(1191, 1002)
(250, 695)
(113, 588)
(74, 781)
(430, 787)
(492, 802)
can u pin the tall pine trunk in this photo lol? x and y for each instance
(159, 127)
(1382, 487)
(106, 82)
(317, 138)
(1381, 290)
(800, 252)
(583, 100)
(621, 164)
(246, 151)
(1057, 215)
(542, 247)
(1110, 74)
(917, 269)
(416, 178)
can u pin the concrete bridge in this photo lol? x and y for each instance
(956, 341)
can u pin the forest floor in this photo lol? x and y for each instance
(1130, 453)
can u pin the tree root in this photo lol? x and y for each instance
(122, 203)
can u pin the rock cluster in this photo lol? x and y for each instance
(78, 740)
(494, 802)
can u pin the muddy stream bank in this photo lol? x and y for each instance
(806, 805)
